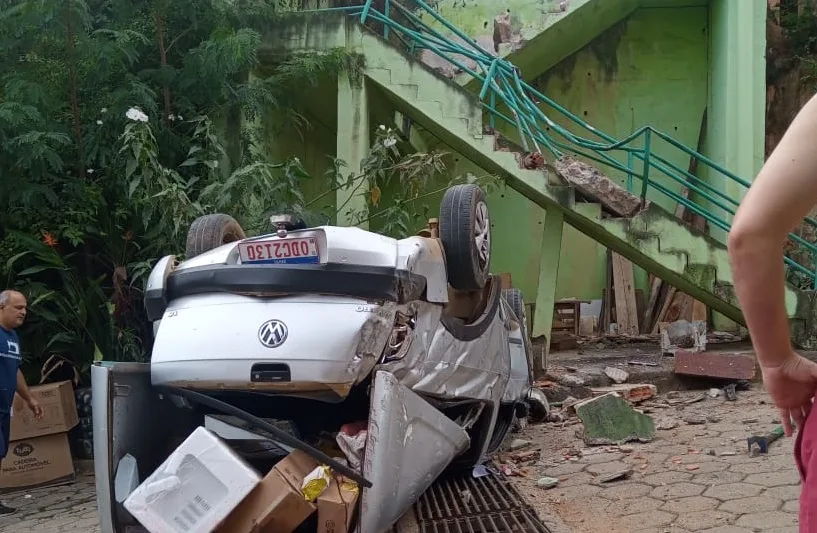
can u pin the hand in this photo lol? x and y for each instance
(792, 385)
(36, 409)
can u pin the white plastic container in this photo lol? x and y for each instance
(201, 482)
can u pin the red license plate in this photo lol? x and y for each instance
(280, 251)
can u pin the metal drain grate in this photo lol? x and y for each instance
(464, 504)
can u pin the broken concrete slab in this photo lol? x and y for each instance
(695, 419)
(682, 334)
(518, 444)
(572, 380)
(595, 185)
(728, 365)
(616, 374)
(609, 419)
(667, 423)
(615, 476)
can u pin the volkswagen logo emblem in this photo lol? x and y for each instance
(273, 333)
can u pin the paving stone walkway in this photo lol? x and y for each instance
(691, 478)
(64, 509)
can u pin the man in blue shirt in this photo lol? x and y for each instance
(12, 314)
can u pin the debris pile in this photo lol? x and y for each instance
(207, 485)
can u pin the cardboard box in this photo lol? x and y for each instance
(37, 462)
(196, 488)
(276, 505)
(59, 412)
(336, 506)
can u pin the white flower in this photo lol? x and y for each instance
(90, 171)
(179, 117)
(390, 141)
(382, 127)
(98, 122)
(103, 110)
(136, 114)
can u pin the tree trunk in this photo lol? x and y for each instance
(73, 91)
(160, 41)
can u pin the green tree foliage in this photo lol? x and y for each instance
(120, 122)
(92, 193)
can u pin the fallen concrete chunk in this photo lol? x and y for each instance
(547, 482)
(592, 183)
(695, 419)
(616, 374)
(728, 365)
(683, 335)
(667, 423)
(609, 419)
(518, 444)
(571, 380)
(632, 392)
(614, 476)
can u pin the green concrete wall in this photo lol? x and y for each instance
(476, 17)
(315, 146)
(618, 83)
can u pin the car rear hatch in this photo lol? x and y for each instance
(294, 344)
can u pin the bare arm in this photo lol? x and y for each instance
(22, 388)
(783, 193)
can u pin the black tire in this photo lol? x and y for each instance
(463, 212)
(514, 299)
(502, 428)
(517, 303)
(211, 231)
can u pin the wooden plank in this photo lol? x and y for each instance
(506, 280)
(640, 302)
(653, 303)
(623, 285)
(700, 312)
(633, 392)
(604, 312)
(608, 294)
(677, 309)
(667, 302)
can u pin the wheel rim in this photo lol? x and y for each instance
(482, 235)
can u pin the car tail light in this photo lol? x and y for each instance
(400, 338)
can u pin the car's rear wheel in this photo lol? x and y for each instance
(211, 231)
(465, 232)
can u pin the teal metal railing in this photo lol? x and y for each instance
(509, 99)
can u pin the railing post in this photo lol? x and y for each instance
(387, 12)
(489, 76)
(645, 174)
(492, 118)
(365, 13)
(630, 161)
(814, 262)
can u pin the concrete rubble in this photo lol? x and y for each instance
(696, 473)
(683, 335)
(610, 419)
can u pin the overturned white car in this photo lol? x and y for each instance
(320, 327)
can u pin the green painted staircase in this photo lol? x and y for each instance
(455, 115)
